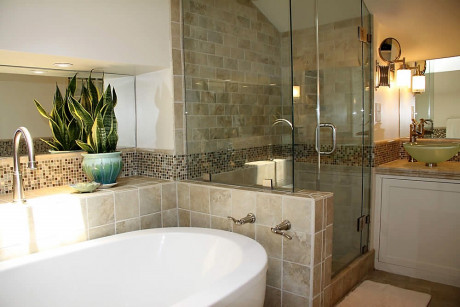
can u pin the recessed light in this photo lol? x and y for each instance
(63, 65)
(38, 72)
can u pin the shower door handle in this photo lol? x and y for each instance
(334, 138)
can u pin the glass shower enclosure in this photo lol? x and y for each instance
(278, 95)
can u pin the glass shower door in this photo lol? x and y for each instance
(330, 120)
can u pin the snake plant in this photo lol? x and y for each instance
(96, 114)
(65, 129)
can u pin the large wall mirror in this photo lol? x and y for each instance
(440, 102)
(19, 86)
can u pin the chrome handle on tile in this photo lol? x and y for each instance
(279, 229)
(334, 138)
(250, 218)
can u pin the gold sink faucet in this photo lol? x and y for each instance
(417, 129)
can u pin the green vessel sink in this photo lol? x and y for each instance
(432, 153)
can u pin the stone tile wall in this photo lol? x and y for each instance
(232, 75)
(298, 269)
(55, 217)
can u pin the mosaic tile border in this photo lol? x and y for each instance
(40, 147)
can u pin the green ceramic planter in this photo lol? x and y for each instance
(102, 167)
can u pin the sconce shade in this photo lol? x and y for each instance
(296, 91)
(418, 84)
(403, 77)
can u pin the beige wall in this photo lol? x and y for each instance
(17, 94)
(388, 98)
(446, 97)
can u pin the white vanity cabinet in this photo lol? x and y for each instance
(416, 227)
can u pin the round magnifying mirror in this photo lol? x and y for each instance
(390, 50)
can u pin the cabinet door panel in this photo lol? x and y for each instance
(420, 225)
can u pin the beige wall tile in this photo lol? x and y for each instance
(221, 202)
(292, 300)
(274, 272)
(272, 297)
(150, 199)
(327, 272)
(200, 220)
(317, 301)
(170, 218)
(101, 210)
(101, 231)
(184, 218)
(318, 252)
(319, 215)
(168, 196)
(317, 275)
(151, 221)
(298, 249)
(329, 210)
(337, 290)
(15, 251)
(329, 237)
(299, 212)
(183, 195)
(270, 241)
(126, 204)
(327, 296)
(243, 202)
(175, 10)
(296, 278)
(247, 230)
(221, 223)
(128, 225)
(269, 209)
(199, 198)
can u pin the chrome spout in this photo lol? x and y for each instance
(18, 188)
(282, 120)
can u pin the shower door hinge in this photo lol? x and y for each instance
(362, 220)
(363, 36)
(364, 249)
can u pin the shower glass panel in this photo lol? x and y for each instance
(238, 91)
(278, 93)
(332, 67)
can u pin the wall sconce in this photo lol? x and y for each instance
(390, 52)
(296, 91)
(404, 77)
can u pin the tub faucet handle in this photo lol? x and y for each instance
(281, 227)
(250, 218)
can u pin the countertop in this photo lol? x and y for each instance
(444, 170)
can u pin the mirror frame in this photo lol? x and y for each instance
(380, 50)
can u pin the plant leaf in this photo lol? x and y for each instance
(98, 134)
(41, 110)
(93, 94)
(86, 147)
(54, 147)
(81, 114)
(115, 99)
(72, 87)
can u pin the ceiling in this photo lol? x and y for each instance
(426, 29)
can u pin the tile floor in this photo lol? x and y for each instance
(441, 295)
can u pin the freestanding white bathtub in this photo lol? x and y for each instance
(156, 267)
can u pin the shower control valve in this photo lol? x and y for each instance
(250, 218)
(281, 227)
